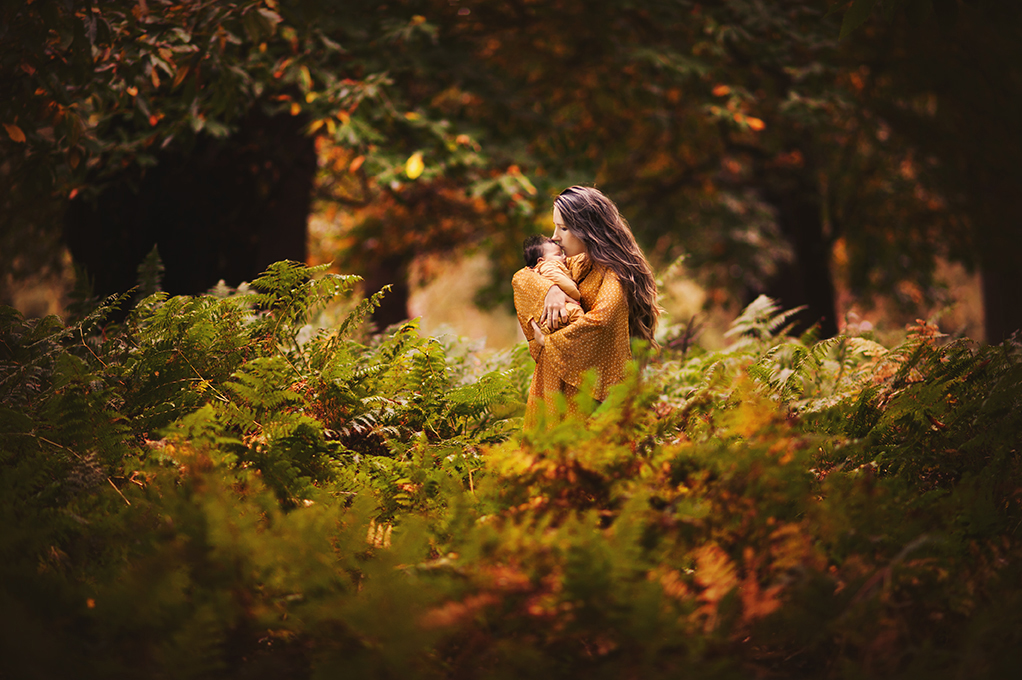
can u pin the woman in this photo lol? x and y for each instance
(618, 294)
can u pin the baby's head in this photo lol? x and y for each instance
(538, 247)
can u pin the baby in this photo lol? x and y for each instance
(547, 259)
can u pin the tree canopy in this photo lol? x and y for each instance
(764, 142)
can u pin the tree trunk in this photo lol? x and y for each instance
(225, 211)
(1001, 267)
(391, 271)
(807, 279)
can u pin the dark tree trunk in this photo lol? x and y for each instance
(391, 271)
(1001, 267)
(973, 65)
(224, 211)
(807, 279)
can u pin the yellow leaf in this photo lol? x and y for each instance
(14, 132)
(414, 165)
(310, 97)
(412, 115)
(721, 90)
(133, 91)
(296, 108)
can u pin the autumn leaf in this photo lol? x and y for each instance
(180, 76)
(754, 123)
(714, 572)
(717, 575)
(721, 90)
(456, 613)
(414, 165)
(14, 132)
(757, 602)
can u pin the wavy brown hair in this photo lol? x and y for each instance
(595, 220)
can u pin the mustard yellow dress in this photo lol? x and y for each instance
(598, 340)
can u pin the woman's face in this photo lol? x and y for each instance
(571, 243)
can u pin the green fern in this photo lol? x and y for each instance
(760, 320)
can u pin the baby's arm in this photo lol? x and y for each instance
(558, 274)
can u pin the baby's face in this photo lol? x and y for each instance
(552, 251)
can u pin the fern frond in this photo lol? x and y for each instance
(362, 310)
(475, 398)
(761, 319)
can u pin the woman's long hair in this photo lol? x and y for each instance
(595, 220)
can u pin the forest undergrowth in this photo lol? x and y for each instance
(213, 487)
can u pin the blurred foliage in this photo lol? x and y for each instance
(246, 485)
(748, 136)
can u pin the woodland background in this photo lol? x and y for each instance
(773, 147)
(218, 461)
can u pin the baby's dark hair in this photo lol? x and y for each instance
(532, 248)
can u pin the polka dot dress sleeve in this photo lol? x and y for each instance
(598, 340)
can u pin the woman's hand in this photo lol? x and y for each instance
(555, 313)
(537, 333)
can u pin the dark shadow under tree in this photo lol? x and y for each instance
(223, 210)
